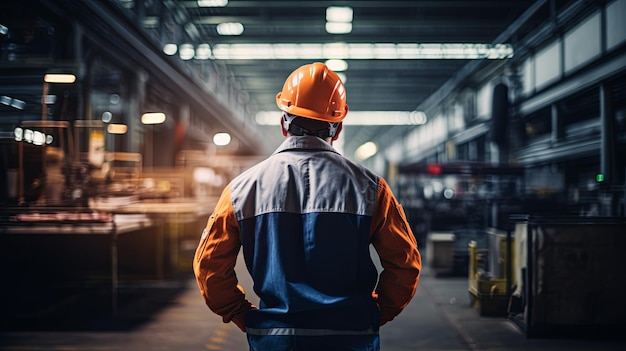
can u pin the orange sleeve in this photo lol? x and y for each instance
(396, 246)
(214, 264)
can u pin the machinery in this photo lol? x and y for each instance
(57, 165)
(451, 204)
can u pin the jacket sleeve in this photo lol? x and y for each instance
(214, 264)
(396, 246)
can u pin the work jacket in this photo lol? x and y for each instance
(306, 217)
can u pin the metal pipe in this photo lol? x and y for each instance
(607, 148)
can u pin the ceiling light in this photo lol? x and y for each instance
(339, 14)
(284, 51)
(361, 51)
(311, 50)
(117, 128)
(212, 3)
(186, 52)
(230, 28)
(50, 99)
(39, 138)
(153, 118)
(221, 139)
(3, 30)
(170, 49)
(59, 78)
(417, 117)
(384, 51)
(203, 52)
(366, 151)
(336, 50)
(337, 65)
(338, 27)
(18, 104)
(18, 133)
(151, 22)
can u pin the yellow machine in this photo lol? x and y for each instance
(488, 292)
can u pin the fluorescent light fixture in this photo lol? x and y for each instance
(32, 136)
(230, 28)
(203, 52)
(18, 104)
(18, 133)
(366, 151)
(39, 138)
(338, 27)
(339, 14)
(212, 3)
(186, 52)
(150, 22)
(170, 49)
(221, 139)
(27, 136)
(3, 30)
(337, 65)
(361, 51)
(336, 50)
(50, 99)
(59, 78)
(359, 118)
(339, 20)
(117, 128)
(153, 118)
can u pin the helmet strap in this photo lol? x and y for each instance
(297, 130)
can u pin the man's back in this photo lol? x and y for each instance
(305, 219)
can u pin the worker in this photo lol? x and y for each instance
(305, 218)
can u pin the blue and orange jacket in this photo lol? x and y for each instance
(306, 217)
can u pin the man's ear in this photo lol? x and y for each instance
(339, 128)
(282, 127)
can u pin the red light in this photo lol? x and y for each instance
(433, 169)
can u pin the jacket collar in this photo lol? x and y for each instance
(305, 142)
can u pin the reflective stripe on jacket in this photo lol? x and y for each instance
(306, 217)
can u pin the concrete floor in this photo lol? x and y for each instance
(172, 316)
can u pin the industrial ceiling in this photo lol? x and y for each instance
(380, 83)
(376, 84)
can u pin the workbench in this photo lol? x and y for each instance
(132, 242)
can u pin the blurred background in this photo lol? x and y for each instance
(125, 119)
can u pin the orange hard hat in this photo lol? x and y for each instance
(314, 91)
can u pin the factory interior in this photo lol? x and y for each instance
(499, 125)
